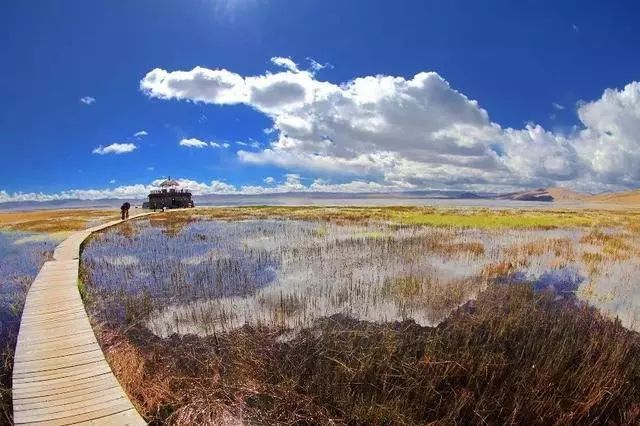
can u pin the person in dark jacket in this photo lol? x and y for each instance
(124, 210)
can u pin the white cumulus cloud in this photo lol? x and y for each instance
(415, 132)
(193, 143)
(115, 148)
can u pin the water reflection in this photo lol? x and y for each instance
(208, 276)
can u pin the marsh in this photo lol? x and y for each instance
(235, 292)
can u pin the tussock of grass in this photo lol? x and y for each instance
(562, 248)
(613, 245)
(511, 357)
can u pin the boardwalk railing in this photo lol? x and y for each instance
(60, 375)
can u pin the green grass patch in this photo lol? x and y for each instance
(482, 218)
(82, 288)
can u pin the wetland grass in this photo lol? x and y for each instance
(377, 315)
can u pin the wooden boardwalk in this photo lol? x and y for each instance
(60, 375)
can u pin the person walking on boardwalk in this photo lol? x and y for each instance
(124, 210)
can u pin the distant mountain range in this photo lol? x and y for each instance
(559, 195)
(546, 194)
(629, 197)
(567, 195)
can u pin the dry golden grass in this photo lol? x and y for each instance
(499, 270)
(512, 356)
(474, 248)
(562, 249)
(612, 245)
(54, 221)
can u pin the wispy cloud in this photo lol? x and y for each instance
(87, 100)
(316, 66)
(252, 144)
(218, 145)
(558, 106)
(115, 148)
(197, 143)
(140, 134)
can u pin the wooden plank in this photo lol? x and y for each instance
(52, 337)
(78, 412)
(86, 396)
(60, 362)
(57, 351)
(78, 370)
(97, 418)
(54, 315)
(27, 389)
(61, 393)
(62, 342)
(57, 317)
(52, 311)
(60, 375)
(123, 418)
(74, 326)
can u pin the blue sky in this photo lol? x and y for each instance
(514, 95)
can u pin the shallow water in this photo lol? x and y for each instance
(211, 276)
(21, 256)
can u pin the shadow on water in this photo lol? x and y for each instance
(563, 282)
